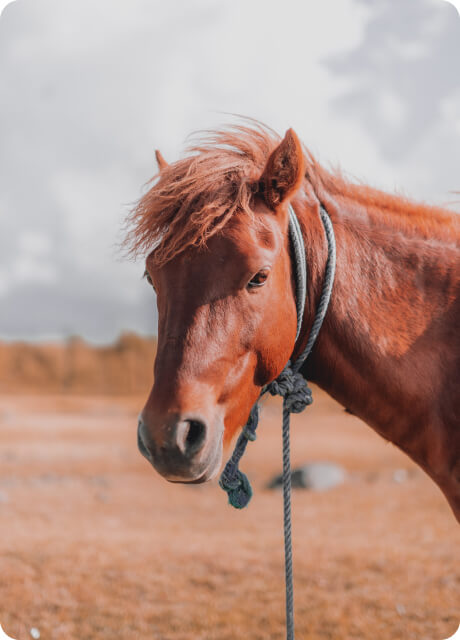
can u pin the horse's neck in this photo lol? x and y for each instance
(389, 327)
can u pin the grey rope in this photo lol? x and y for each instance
(294, 389)
(300, 266)
(232, 480)
(287, 527)
(323, 305)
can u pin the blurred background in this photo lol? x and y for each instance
(92, 543)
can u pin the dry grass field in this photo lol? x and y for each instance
(94, 545)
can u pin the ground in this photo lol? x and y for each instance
(95, 545)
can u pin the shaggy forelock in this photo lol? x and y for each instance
(194, 198)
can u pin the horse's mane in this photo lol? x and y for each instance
(192, 199)
(195, 197)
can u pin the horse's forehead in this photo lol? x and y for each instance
(243, 241)
(249, 233)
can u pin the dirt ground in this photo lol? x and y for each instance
(94, 544)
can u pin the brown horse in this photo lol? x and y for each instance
(215, 227)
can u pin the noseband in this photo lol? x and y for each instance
(296, 394)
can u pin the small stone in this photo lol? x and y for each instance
(316, 476)
(35, 633)
(401, 609)
(3, 497)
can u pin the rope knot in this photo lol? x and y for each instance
(238, 489)
(232, 480)
(293, 388)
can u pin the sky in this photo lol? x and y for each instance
(89, 89)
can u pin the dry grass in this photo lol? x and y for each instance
(94, 545)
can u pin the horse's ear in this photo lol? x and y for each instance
(161, 162)
(284, 171)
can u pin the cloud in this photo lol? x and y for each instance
(401, 74)
(30, 263)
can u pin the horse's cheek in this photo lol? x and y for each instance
(276, 336)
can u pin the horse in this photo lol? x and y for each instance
(214, 229)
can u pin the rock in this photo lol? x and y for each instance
(317, 476)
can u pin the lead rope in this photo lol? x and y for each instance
(296, 394)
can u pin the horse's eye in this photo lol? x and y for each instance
(148, 278)
(259, 279)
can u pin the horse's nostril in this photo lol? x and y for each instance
(195, 436)
(176, 444)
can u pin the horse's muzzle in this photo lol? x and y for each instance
(185, 449)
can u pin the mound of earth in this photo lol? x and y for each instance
(75, 366)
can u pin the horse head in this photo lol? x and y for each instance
(226, 308)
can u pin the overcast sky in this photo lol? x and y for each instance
(89, 89)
